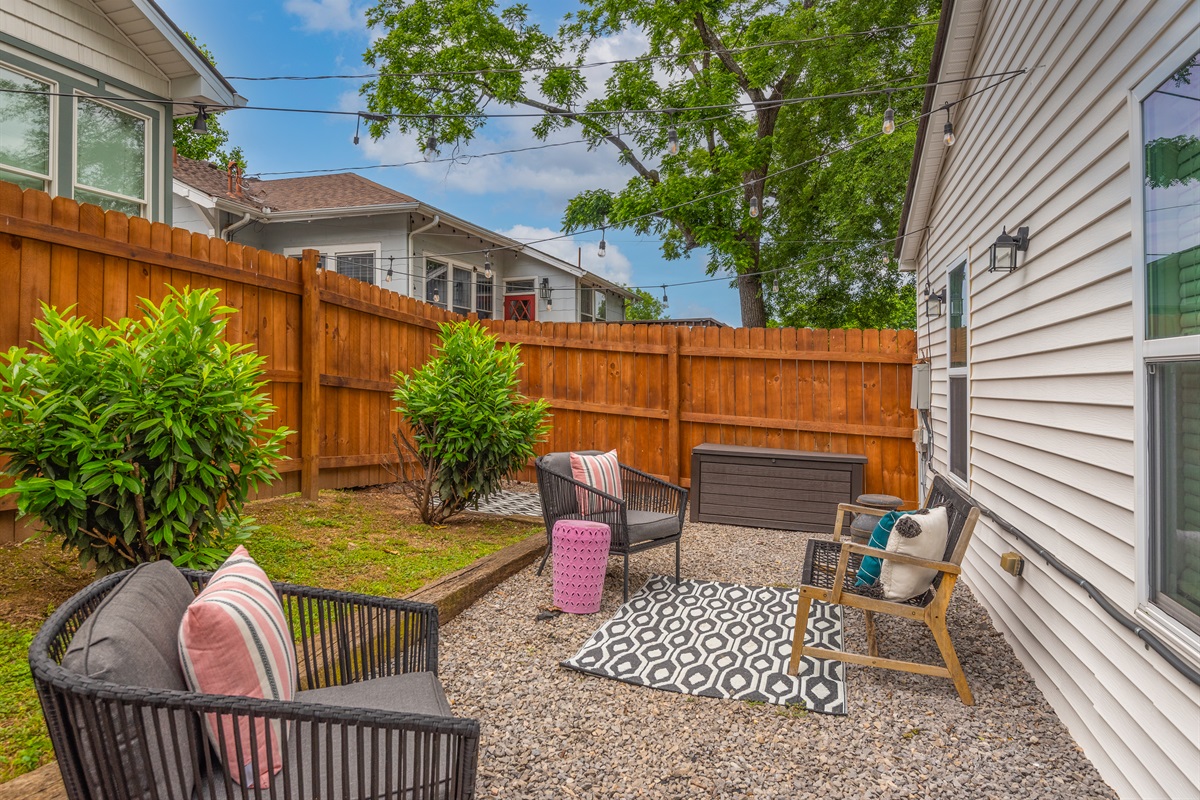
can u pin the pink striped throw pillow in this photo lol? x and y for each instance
(601, 472)
(234, 640)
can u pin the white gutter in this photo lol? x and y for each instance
(229, 231)
(411, 261)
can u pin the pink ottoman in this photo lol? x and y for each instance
(580, 560)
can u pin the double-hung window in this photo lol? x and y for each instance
(484, 291)
(110, 157)
(25, 131)
(959, 397)
(436, 283)
(593, 304)
(1170, 342)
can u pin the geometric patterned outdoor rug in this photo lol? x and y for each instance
(715, 639)
(504, 502)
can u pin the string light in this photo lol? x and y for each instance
(430, 150)
(201, 123)
(487, 264)
(775, 285)
(753, 202)
(948, 129)
(600, 250)
(388, 277)
(672, 137)
(664, 294)
(889, 117)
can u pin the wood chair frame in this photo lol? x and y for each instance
(931, 610)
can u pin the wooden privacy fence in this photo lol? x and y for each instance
(332, 344)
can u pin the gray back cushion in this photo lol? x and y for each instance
(131, 639)
(560, 463)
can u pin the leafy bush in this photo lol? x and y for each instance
(140, 440)
(468, 426)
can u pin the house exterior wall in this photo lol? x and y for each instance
(76, 49)
(186, 215)
(1051, 365)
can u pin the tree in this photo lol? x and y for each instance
(467, 426)
(139, 440)
(831, 246)
(205, 146)
(645, 306)
(697, 55)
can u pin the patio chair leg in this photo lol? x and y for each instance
(626, 577)
(545, 556)
(802, 607)
(937, 624)
(872, 646)
(677, 544)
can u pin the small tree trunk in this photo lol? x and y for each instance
(754, 310)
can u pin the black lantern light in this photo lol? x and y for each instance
(1004, 252)
(933, 301)
(546, 296)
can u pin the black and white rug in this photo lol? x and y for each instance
(504, 503)
(718, 640)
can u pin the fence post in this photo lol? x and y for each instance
(312, 339)
(673, 443)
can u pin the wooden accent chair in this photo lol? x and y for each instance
(830, 571)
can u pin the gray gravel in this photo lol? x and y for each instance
(549, 732)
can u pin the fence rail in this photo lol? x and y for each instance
(332, 345)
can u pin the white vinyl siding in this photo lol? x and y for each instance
(1052, 365)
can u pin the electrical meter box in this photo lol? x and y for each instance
(920, 387)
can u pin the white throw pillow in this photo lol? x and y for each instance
(922, 534)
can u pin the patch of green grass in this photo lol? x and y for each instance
(24, 741)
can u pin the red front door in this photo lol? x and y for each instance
(520, 307)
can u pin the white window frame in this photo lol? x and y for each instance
(52, 164)
(452, 264)
(515, 278)
(332, 251)
(144, 201)
(963, 261)
(1182, 639)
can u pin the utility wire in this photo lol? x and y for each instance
(586, 65)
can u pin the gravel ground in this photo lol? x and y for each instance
(549, 732)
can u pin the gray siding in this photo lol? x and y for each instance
(1051, 414)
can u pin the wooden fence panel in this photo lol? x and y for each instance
(332, 345)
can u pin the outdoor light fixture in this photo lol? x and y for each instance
(388, 277)
(753, 205)
(672, 137)
(933, 301)
(601, 248)
(1004, 252)
(369, 118)
(487, 264)
(201, 123)
(948, 129)
(664, 294)
(889, 117)
(430, 150)
(546, 296)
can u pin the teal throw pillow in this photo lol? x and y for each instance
(868, 571)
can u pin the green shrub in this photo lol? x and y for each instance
(468, 426)
(140, 440)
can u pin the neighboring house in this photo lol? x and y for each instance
(1066, 393)
(102, 133)
(368, 231)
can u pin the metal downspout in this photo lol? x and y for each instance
(230, 230)
(412, 261)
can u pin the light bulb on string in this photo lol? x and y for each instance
(437, 295)
(775, 285)
(487, 264)
(430, 150)
(889, 117)
(754, 205)
(388, 277)
(357, 127)
(948, 129)
(672, 137)
(664, 294)
(600, 250)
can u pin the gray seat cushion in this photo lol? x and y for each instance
(645, 526)
(413, 693)
(132, 639)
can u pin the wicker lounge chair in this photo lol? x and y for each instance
(649, 515)
(829, 574)
(371, 719)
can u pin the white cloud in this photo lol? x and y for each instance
(328, 15)
(615, 266)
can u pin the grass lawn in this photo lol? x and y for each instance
(368, 541)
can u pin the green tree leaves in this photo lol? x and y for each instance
(139, 440)
(468, 426)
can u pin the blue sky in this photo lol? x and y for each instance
(522, 195)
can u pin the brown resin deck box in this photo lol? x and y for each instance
(759, 487)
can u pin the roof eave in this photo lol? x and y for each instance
(209, 87)
(305, 214)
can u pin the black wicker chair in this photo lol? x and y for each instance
(650, 513)
(328, 751)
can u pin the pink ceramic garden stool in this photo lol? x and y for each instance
(580, 560)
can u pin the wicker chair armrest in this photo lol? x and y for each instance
(344, 637)
(903, 558)
(644, 492)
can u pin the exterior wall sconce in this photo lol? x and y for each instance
(933, 301)
(1004, 251)
(546, 295)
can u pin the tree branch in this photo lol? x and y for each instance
(713, 42)
(613, 139)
